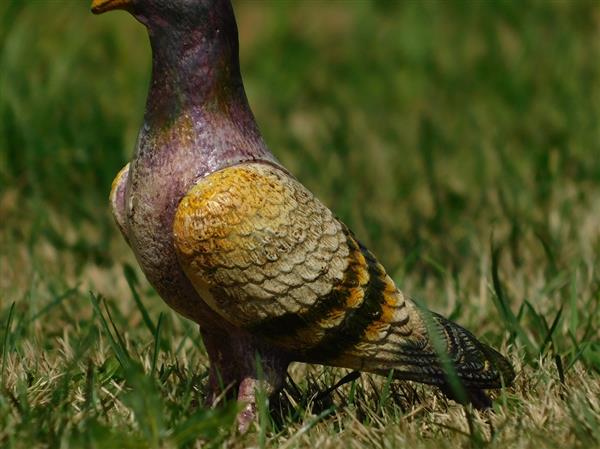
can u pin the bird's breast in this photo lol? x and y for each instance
(158, 178)
(155, 187)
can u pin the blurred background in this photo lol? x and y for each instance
(460, 140)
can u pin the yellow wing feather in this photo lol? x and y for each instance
(269, 257)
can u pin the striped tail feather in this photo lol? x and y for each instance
(451, 358)
(476, 364)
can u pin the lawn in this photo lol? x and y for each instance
(460, 141)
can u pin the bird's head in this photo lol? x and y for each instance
(194, 54)
(174, 14)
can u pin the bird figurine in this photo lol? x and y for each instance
(233, 241)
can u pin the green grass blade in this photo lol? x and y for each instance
(156, 344)
(503, 307)
(132, 282)
(5, 340)
(206, 427)
(552, 330)
(118, 347)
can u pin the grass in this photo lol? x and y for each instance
(460, 140)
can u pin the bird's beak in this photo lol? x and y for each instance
(100, 6)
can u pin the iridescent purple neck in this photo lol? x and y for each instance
(196, 82)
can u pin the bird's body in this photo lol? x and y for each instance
(233, 241)
(144, 199)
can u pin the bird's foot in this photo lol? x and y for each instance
(265, 378)
(249, 392)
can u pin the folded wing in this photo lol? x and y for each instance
(269, 257)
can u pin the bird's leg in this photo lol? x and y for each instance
(240, 362)
(263, 372)
(224, 371)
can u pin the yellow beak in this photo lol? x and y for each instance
(100, 6)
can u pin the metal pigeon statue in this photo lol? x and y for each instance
(231, 240)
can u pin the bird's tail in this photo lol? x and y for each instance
(469, 366)
(450, 357)
(476, 364)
